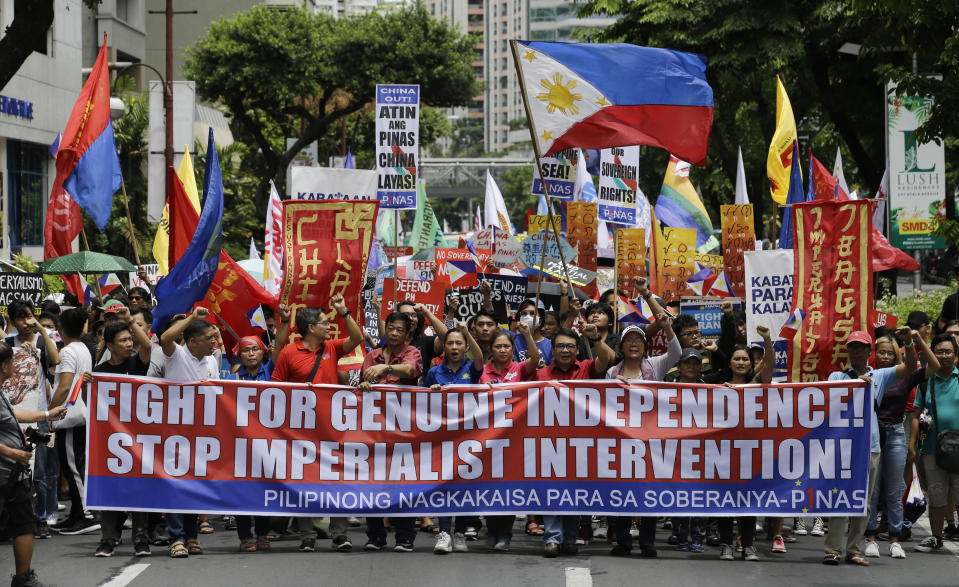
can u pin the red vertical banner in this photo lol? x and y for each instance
(833, 284)
(739, 235)
(327, 247)
(582, 230)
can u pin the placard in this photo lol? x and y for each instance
(739, 235)
(582, 227)
(618, 173)
(538, 222)
(20, 286)
(560, 173)
(679, 250)
(397, 144)
(332, 183)
(152, 275)
(630, 258)
(428, 293)
(708, 312)
(769, 294)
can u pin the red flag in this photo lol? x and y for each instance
(884, 255)
(183, 217)
(232, 296)
(63, 225)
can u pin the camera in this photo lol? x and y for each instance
(36, 438)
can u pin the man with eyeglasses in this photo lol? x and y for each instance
(687, 331)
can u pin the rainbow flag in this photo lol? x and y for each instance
(679, 205)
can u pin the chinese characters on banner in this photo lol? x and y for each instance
(397, 140)
(327, 246)
(679, 254)
(618, 169)
(560, 175)
(832, 244)
(630, 258)
(739, 236)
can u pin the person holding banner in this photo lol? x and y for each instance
(859, 346)
(561, 531)
(312, 359)
(429, 346)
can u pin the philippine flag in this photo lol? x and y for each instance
(721, 287)
(702, 281)
(627, 312)
(599, 95)
(256, 317)
(462, 273)
(792, 323)
(109, 282)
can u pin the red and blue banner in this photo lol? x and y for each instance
(577, 447)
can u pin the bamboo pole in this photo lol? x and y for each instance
(133, 238)
(96, 282)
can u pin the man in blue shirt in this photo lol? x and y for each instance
(859, 347)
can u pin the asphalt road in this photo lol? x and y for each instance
(69, 561)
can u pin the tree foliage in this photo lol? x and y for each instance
(292, 74)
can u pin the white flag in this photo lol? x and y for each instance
(741, 196)
(495, 208)
(254, 254)
(273, 264)
(838, 174)
(879, 214)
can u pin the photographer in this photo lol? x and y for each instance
(18, 520)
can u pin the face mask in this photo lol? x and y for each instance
(528, 320)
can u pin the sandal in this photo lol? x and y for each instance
(534, 529)
(205, 527)
(193, 546)
(178, 550)
(857, 559)
(247, 545)
(263, 543)
(831, 559)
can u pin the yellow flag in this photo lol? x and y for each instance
(779, 160)
(161, 242)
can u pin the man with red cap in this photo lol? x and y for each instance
(843, 530)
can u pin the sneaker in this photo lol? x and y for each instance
(896, 551)
(601, 528)
(817, 528)
(727, 553)
(28, 579)
(354, 522)
(374, 544)
(471, 533)
(779, 545)
(871, 550)
(52, 519)
(141, 549)
(648, 551)
(42, 531)
(105, 549)
(342, 544)
(83, 526)
(951, 532)
(307, 545)
(502, 545)
(569, 548)
(620, 550)
(750, 554)
(712, 538)
(799, 527)
(230, 523)
(929, 544)
(696, 546)
(443, 543)
(551, 550)
(403, 547)
(682, 546)
(459, 542)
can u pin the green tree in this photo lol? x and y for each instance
(292, 74)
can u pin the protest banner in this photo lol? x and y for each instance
(538, 222)
(581, 447)
(397, 144)
(508, 292)
(332, 183)
(532, 247)
(618, 170)
(459, 261)
(560, 174)
(832, 246)
(582, 227)
(428, 293)
(769, 294)
(20, 286)
(578, 276)
(505, 247)
(917, 173)
(630, 258)
(739, 235)
(371, 318)
(152, 269)
(707, 312)
(679, 250)
(398, 251)
(712, 262)
(877, 319)
(328, 246)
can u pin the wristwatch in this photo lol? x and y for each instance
(345, 314)
(389, 369)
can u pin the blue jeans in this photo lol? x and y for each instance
(182, 527)
(446, 523)
(560, 529)
(890, 483)
(45, 482)
(405, 529)
(687, 528)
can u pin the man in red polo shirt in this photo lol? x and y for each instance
(312, 359)
(561, 531)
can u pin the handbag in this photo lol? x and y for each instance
(947, 441)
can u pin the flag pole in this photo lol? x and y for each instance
(615, 278)
(536, 153)
(396, 239)
(86, 245)
(133, 238)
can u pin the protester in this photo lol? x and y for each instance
(535, 318)
(941, 397)
(313, 359)
(16, 491)
(892, 444)
(687, 331)
(429, 346)
(859, 347)
(560, 533)
(483, 326)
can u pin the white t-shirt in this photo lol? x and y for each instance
(74, 358)
(27, 387)
(183, 366)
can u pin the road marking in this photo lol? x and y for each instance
(127, 575)
(578, 577)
